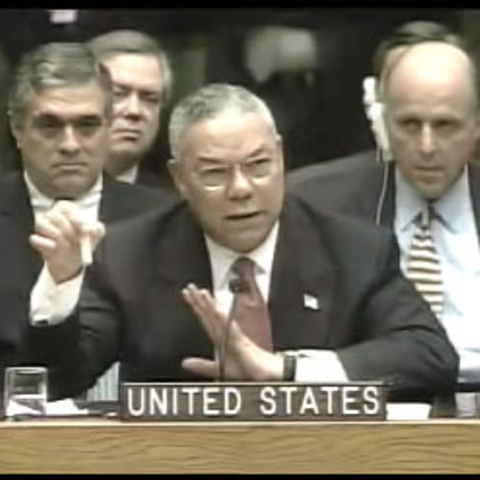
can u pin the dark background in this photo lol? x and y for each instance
(320, 120)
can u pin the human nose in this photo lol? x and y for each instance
(240, 185)
(69, 142)
(427, 140)
(132, 105)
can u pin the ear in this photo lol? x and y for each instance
(477, 125)
(279, 141)
(175, 170)
(15, 129)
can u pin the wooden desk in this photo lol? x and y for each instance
(451, 446)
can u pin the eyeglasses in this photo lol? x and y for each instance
(218, 176)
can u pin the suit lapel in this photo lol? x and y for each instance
(373, 193)
(183, 260)
(15, 204)
(184, 253)
(474, 183)
(302, 283)
(111, 202)
(386, 205)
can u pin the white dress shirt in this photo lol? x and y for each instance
(129, 176)
(51, 302)
(89, 203)
(47, 297)
(455, 236)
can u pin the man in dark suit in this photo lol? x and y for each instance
(339, 307)
(142, 81)
(430, 101)
(60, 111)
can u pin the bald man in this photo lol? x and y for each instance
(431, 114)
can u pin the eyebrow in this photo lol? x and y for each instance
(258, 152)
(211, 160)
(52, 117)
(133, 88)
(262, 150)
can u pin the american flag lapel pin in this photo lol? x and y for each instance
(311, 302)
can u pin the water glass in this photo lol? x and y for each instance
(25, 391)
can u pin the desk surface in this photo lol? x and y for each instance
(90, 446)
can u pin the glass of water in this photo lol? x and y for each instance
(25, 391)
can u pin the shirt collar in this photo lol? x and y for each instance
(130, 175)
(457, 202)
(222, 258)
(408, 202)
(42, 203)
(449, 208)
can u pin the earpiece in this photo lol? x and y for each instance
(374, 112)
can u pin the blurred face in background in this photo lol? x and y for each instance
(64, 138)
(138, 96)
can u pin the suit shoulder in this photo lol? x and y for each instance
(339, 168)
(132, 241)
(343, 228)
(10, 180)
(142, 222)
(139, 191)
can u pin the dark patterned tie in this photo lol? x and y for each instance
(249, 309)
(423, 264)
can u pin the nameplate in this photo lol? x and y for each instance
(252, 402)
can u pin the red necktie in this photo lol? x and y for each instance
(249, 309)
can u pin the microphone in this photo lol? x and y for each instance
(236, 285)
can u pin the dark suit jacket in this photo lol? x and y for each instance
(21, 264)
(362, 187)
(13, 291)
(132, 307)
(162, 181)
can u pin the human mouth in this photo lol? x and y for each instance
(243, 216)
(428, 170)
(127, 133)
(69, 167)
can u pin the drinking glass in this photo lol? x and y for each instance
(25, 391)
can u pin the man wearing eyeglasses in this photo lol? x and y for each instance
(159, 296)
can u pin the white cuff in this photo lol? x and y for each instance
(52, 303)
(319, 366)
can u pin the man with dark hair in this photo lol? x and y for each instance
(142, 82)
(428, 192)
(325, 297)
(60, 109)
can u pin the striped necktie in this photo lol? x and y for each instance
(423, 264)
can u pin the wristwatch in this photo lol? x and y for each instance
(289, 367)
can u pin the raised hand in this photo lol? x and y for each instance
(243, 359)
(58, 237)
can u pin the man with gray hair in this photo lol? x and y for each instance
(60, 109)
(173, 294)
(142, 83)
